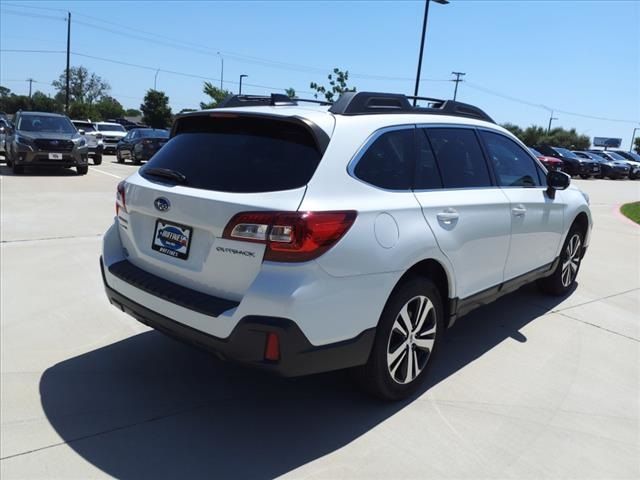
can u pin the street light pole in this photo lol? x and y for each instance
(155, 79)
(633, 135)
(221, 71)
(424, 34)
(240, 89)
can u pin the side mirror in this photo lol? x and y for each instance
(81, 131)
(556, 181)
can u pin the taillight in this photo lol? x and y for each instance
(147, 142)
(121, 201)
(291, 236)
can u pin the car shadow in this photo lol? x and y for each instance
(39, 172)
(151, 407)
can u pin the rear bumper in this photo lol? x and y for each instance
(247, 341)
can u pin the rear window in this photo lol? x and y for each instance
(239, 154)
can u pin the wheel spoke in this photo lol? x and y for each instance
(392, 357)
(425, 308)
(424, 343)
(409, 375)
(400, 361)
(406, 318)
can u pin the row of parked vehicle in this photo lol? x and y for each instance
(613, 164)
(37, 139)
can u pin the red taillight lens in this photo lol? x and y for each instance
(272, 347)
(121, 203)
(291, 236)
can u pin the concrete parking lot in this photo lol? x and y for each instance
(529, 387)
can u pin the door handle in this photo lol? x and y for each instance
(448, 216)
(518, 211)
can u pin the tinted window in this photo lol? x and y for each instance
(388, 162)
(150, 132)
(459, 157)
(513, 166)
(427, 173)
(111, 128)
(241, 154)
(45, 123)
(565, 153)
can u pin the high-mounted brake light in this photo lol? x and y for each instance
(291, 236)
(121, 201)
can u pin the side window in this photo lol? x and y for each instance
(427, 172)
(132, 135)
(512, 165)
(459, 157)
(389, 161)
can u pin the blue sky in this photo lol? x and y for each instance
(577, 57)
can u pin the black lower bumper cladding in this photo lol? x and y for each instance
(246, 343)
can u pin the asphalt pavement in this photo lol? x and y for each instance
(528, 387)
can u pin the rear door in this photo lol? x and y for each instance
(536, 219)
(468, 214)
(230, 165)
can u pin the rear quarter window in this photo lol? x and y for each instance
(239, 154)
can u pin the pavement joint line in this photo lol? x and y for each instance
(50, 238)
(108, 431)
(560, 310)
(94, 169)
(600, 327)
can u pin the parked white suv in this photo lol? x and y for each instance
(112, 133)
(302, 239)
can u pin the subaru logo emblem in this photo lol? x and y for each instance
(162, 204)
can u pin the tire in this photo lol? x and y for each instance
(97, 160)
(601, 176)
(82, 169)
(17, 169)
(135, 159)
(393, 378)
(118, 157)
(584, 177)
(561, 281)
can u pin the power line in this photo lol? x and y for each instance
(31, 15)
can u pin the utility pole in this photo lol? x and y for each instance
(66, 95)
(155, 79)
(551, 118)
(30, 80)
(457, 80)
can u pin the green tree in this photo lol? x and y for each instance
(84, 111)
(636, 144)
(513, 128)
(84, 87)
(109, 107)
(337, 85)
(44, 103)
(216, 94)
(156, 111)
(132, 112)
(291, 93)
(532, 135)
(11, 103)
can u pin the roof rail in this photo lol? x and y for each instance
(274, 99)
(364, 103)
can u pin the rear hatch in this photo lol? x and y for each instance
(215, 166)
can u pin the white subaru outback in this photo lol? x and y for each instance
(307, 238)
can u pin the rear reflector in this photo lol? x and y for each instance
(272, 347)
(291, 236)
(121, 201)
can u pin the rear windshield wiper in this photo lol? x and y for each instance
(166, 173)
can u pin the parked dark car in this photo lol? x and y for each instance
(572, 164)
(632, 159)
(5, 126)
(128, 124)
(40, 139)
(634, 168)
(140, 144)
(608, 168)
(551, 163)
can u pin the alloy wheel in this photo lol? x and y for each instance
(411, 340)
(572, 260)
